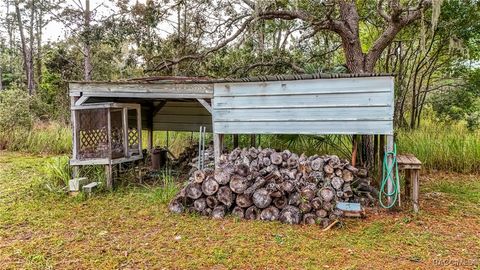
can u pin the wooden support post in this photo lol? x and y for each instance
(150, 129)
(416, 189)
(390, 163)
(139, 130)
(150, 139)
(253, 141)
(109, 176)
(108, 167)
(235, 140)
(75, 171)
(75, 136)
(153, 110)
(408, 180)
(125, 132)
(376, 142)
(217, 147)
(354, 150)
(381, 153)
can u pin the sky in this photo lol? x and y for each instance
(55, 31)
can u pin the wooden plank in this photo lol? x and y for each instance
(188, 103)
(92, 161)
(302, 113)
(318, 86)
(365, 99)
(305, 127)
(180, 127)
(173, 118)
(151, 88)
(336, 106)
(408, 159)
(169, 110)
(81, 100)
(152, 95)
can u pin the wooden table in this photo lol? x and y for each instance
(411, 165)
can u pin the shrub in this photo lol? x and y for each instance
(15, 109)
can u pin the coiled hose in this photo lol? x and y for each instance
(387, 171)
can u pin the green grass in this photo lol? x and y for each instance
(131, 228)
(51, 138)
(449, 147)
(443, 147)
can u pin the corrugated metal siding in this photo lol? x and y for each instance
(336, 106)
(182, 116)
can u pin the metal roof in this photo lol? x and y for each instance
(206, 80)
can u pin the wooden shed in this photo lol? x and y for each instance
(284, 104)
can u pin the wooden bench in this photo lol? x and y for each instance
(411, 165)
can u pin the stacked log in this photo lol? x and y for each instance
(187, 161)
(264, 184)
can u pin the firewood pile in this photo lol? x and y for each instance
(187, 161)
(268, 185)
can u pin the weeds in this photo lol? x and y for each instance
(449, 147)
(167, 189)
(51, 138)
(57, 172)
(439, 146)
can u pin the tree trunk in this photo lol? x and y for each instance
(25, 52)
(39, 45)
(31, 79)
(87, 61)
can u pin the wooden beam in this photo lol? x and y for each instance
(205, 104)
(81, 100)
(390, 164)
(158, 107)
(217, 147)
(141, 90)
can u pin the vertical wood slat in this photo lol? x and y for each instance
(150, 128)
(109, 180)
(416, 189)
(139, 130)
(74, 119)
(125, 132)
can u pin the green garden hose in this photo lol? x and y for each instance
(387, 172)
